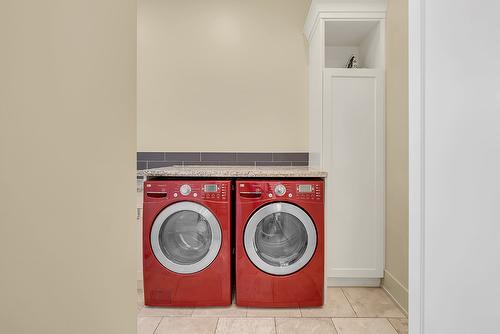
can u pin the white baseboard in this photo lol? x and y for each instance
(396, 290)
(347, 281)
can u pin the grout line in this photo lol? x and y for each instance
(390, 323)
(161, 319)
(216, 326)
(275, 326)
(334, 326)
(350, 304)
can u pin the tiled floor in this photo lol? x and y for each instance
(346, 311)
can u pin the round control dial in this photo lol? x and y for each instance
(279, 190)
(185, 189)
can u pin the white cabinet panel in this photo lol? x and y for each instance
(353, 136)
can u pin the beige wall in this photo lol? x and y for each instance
(396, 274)
(222, 75)
(67, 169)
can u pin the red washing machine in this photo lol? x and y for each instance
(187, 243)
(279, 243)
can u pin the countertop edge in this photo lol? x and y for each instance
(232, 171)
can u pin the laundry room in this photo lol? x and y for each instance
(272, 166)
(249, 166)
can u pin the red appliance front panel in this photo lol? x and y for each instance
(257, 288)
(210, 286)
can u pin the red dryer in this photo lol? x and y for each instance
(279, 243)
(187, 243)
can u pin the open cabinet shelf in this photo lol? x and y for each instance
(361, 38)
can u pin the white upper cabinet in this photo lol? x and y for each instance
(347, 133)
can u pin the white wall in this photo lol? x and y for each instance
(67, 166)
(461, 166)
(222, 75)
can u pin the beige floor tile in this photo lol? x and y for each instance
(302, 325)
(336, 305)
(147, 325)
(165, 311)
(401, 325)
(273, 312)
(223, 312)
(246, 326)
(363, 326)
(187, 326)
(372, 302)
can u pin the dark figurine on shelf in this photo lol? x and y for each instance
(353, 62)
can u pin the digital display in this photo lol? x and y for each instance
(305, 188)
(210, 188)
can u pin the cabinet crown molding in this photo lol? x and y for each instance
(342, 9)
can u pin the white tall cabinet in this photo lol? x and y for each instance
(347, 135)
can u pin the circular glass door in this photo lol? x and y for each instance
(186, 237)
(280, 238)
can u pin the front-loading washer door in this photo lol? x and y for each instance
(280, 238)
(186, 237)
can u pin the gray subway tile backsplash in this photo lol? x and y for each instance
(183, 156)
(254, 157)
(273, 163)
(218, 156)
(150, 156)
(158, 164)
(165, 159)
(200, 163)
(290, 156)
(236, 163)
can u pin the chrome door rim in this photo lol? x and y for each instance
(249, 237)
(215, 242)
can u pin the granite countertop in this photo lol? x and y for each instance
(232, 171)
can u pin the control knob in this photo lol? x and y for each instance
(185, 189)
(279, 190)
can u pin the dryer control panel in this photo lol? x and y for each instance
(304, 190)
(308, 191)
(214, 191)
(189, 190)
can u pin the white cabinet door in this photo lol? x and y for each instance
(353, 143)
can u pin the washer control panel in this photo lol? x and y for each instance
(214, 191)
(282, 189)
(308, 191)
(187, 190)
